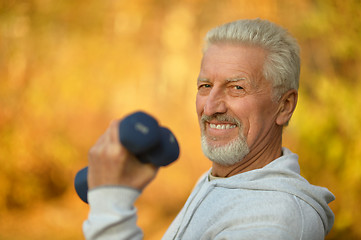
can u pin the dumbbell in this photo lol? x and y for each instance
(141, 135)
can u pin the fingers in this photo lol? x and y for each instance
(111, 164)
(113, 131)
(107, 142)
(105, 158)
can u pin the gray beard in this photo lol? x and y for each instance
(226, 155)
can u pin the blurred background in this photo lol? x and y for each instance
(67, 68)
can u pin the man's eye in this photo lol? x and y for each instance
(204, 86)
(237, 87)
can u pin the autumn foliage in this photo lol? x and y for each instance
(67, 68)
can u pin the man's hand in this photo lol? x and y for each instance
(110, 163)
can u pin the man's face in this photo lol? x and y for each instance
(234, 102)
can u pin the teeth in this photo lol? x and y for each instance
(222, 126)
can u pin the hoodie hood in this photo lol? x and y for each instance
(283, 175)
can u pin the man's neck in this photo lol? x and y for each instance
(257, 158)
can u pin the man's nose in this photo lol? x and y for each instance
(215, 102)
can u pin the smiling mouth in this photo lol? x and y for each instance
(219, 124)
(222, 126)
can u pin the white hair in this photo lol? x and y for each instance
(282, 65)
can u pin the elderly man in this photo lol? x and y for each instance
(247, 92)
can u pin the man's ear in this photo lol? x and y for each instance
(287, 105)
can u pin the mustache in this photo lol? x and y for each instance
(221, 118)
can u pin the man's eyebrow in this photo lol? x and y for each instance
(203, 80)
(236, 79)
(228, 80)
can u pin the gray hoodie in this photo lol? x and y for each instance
(273, 202)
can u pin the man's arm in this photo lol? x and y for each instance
(115, 180)
(112, 214)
